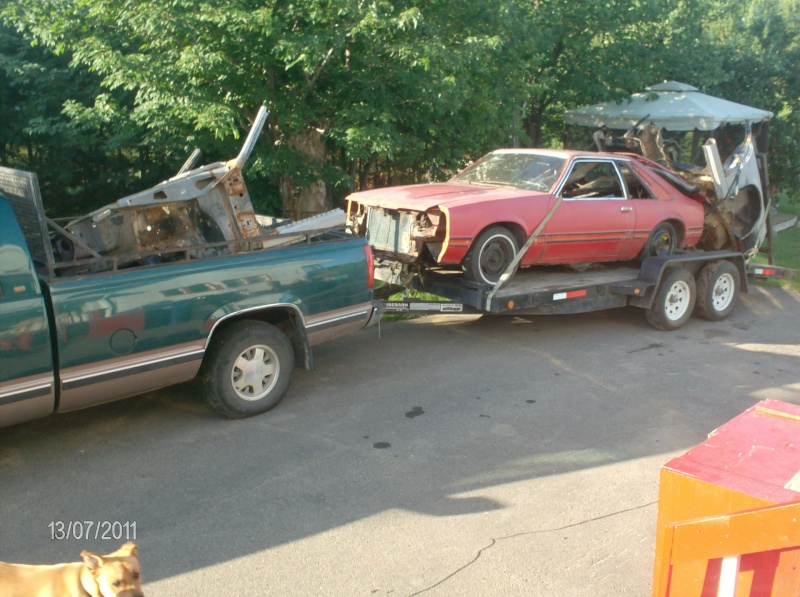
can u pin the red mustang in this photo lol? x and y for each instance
(614, 207)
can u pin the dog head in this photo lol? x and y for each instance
(116, 574)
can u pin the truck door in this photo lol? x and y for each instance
(27, 384)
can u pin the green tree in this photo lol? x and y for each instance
(385, 83)
(367, 93)
(571, 54)
(762, 50)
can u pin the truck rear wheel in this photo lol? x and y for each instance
(248, 369)
(674, 300)
(717, 290)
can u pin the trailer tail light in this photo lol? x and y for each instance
(370, 266)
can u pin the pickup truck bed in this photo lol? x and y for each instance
(78, 333)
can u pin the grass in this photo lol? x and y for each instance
(786, 248)
(411, 294)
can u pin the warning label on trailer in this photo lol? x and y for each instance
(403, 306)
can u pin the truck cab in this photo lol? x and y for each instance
(27, 378)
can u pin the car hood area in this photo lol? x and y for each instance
(422, 197)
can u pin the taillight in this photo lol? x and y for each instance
(370, 266)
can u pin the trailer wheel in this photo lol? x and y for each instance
(491, 253)
(674, 300)
(663, 241)
(248, 369)
(717, 290)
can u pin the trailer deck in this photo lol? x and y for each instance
(550, 290)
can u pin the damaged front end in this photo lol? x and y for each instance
(400, 240)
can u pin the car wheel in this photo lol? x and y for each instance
(491, 253)
(248, 369)
(674, 300)
(717, 290)
(663, 241)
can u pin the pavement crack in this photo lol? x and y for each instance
(495, 540)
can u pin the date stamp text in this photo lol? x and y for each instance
(98, 530)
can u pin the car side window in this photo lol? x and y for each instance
(636, 188)
(593, 180)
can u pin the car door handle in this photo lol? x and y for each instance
(626, 209)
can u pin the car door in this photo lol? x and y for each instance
(649, 211)
(596, 219)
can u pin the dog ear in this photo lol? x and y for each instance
(129, 548)
(92, 560)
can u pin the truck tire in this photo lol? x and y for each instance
(248, 369)
(717, 290)
(491, 253)
(674, 300)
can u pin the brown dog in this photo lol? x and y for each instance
(115, 575)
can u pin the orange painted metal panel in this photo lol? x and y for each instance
(714, 501)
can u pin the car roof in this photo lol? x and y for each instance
(563, 153)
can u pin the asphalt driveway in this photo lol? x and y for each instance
(448, 455)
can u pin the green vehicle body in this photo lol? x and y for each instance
(71, 342)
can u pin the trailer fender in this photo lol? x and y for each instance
(653, 270)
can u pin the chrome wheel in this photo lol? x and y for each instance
(255, 372)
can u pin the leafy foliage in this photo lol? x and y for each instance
(104, 97)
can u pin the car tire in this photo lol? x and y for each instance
(663, 241)
(248, 369)
(717, 290)
(674, 300)
(491, 253)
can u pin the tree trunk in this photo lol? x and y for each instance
(532, 124)
(299, 203)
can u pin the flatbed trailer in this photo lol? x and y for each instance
(668, 288)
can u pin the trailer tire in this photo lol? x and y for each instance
(674, 300)
(491, 253)
(248, 369)
(663, 241)
(717, 290)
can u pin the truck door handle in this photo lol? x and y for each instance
(625, 209)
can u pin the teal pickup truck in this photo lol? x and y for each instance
(93, 311)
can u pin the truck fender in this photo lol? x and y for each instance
(287, 317)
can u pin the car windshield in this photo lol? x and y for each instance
(520, 170)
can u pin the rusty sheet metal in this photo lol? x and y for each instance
(208, 204)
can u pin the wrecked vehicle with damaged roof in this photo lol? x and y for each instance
(630, 199)
(712, 143)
